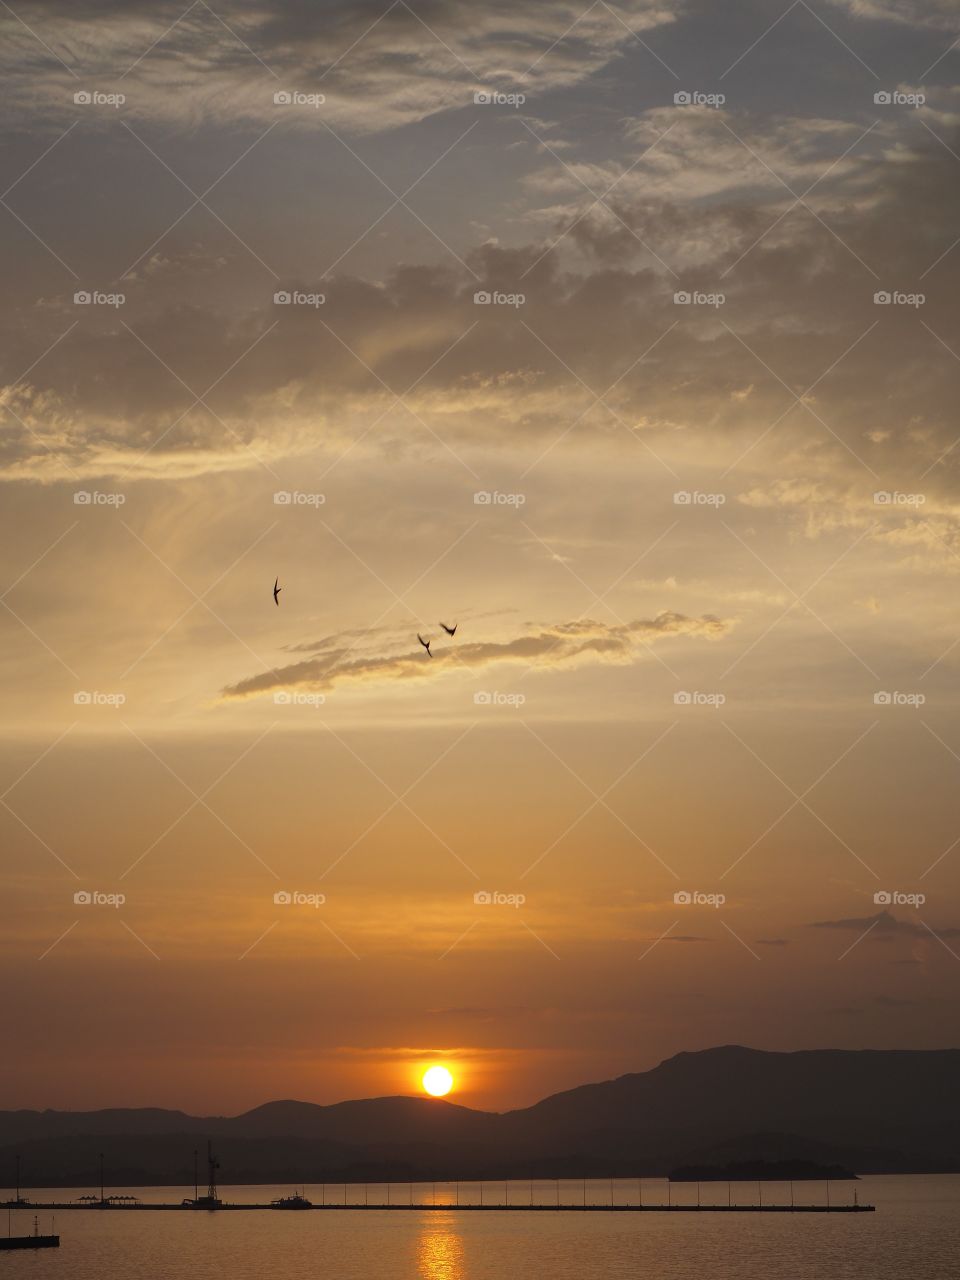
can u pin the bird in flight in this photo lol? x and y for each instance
(276, 592)
(425, 643)
(451, 631)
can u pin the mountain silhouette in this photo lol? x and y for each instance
(870, 1110)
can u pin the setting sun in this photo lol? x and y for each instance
(437, 1081)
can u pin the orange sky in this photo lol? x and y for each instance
(654, 398)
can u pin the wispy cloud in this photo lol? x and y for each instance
(554, 647)
(886, 925)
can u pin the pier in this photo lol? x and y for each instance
(534, 1195)
(451, 1207)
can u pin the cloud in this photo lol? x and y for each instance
(940, 14)
(379, 67)
(557, 647)
(799, 311)
(886, 926)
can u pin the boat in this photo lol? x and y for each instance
(294, 1201)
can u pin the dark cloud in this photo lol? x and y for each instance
(799, 311)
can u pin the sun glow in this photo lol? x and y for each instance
(437, 1081)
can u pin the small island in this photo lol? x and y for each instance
(762, 1171)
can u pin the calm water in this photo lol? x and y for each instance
(914, 1233)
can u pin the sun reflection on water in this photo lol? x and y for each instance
(440, 1253)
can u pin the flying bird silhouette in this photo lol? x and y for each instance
(276, 592)
(451, 631)
(425, 643)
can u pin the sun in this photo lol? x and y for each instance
(437, 1081)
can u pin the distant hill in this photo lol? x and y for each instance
(870, 1110)
(762, 1171)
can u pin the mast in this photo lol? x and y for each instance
(212, 1166)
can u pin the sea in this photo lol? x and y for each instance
(913, 1235)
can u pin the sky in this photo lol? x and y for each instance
(623, 339)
